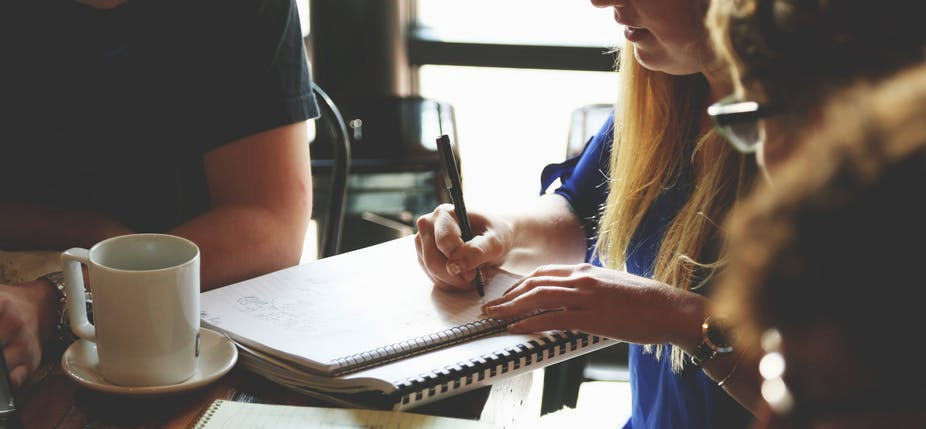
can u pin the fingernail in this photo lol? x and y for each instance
(453, 268)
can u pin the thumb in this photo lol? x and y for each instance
(482, 249)
(18, 376)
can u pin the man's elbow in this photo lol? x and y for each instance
(288, 258)
(294, 222)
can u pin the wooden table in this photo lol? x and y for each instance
(52, 400)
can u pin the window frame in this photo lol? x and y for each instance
(424, 49)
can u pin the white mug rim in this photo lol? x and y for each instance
(91, 252)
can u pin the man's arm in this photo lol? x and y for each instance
(261, 199)
(261, 193)
(29, 227)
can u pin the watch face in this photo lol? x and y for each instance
(718, 333)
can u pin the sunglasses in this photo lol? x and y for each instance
(738, 121)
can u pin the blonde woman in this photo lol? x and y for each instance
(651, 221)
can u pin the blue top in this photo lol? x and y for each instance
(661, 398)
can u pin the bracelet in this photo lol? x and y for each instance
(63, 325)
(729, 375)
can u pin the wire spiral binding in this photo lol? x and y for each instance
(207, 415)
(418, 345)
(475, 370)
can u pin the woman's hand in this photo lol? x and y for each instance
(601, 301)
(27, 316)
(449, 261)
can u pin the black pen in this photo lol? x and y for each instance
(455, 189)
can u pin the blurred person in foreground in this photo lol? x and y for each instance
(787, 57)
(825, 266)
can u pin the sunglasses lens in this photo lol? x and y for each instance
(744, 136)
(739, 122)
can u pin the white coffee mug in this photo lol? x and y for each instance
(145, 290)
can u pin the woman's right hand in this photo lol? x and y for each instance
(449, 261)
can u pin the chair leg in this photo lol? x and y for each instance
(561, 384)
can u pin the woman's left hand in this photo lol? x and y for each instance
(601, 301)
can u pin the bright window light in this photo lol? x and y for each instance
(555, 22)
(511, 123)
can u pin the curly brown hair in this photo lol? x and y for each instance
(797, 51)
(840, 238)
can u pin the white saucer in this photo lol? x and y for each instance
(217, 356)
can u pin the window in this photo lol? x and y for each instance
(524, 22)
(513, 121)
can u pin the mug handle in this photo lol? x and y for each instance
(74, 286)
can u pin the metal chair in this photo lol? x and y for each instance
(394, 165)
(584, 124)
(330, 233)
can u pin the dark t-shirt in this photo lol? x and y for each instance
(114, 110)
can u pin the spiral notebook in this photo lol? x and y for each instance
(368, 328)
(241, 415)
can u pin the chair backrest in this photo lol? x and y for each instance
(330, 232)
(394, 166)
(585, 123)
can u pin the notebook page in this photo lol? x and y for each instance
(301, 313)
(241, 415)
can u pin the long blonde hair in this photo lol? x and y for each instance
(658, 146)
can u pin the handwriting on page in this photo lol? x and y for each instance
(285, 312)
(354, 303)
(461, 308)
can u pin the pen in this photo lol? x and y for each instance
(455, 189)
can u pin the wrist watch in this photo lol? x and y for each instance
(63, 324)
(715, 339)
